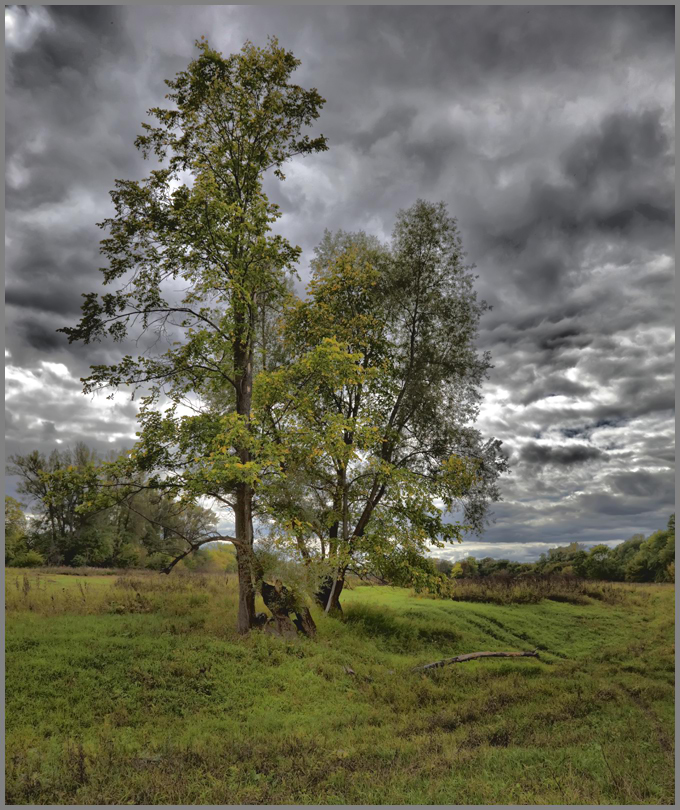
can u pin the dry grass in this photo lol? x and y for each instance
(531, 589)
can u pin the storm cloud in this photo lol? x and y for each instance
(547, 131)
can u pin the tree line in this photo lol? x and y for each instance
(66, 525)
(638, 559)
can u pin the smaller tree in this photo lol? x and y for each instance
(56, 486)
(654, 556)
(15, 529)
(600, 564)
(444, 566)
(375, 407)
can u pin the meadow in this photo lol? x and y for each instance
(135, 689)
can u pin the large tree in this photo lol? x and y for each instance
(376, 409)
(193, 251)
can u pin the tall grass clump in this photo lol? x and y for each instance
(531, 589)
(181, 594)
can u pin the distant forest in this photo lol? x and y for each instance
(638, 559)
(151, 529)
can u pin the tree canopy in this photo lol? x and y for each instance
(376, 404)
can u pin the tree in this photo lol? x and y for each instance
(15, 529)
(376, 407)
(580, 563)
(444, 566)
(600, 563)
(654, 556)
(193, 249)
(57, 486)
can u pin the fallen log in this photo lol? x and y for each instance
(471, 656)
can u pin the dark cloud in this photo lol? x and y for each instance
(639, 484)
(547, 131)
(65, 49)
(560, 456)
(553, 386)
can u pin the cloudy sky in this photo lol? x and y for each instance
(548, 131)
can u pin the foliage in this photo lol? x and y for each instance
(443, 566)
(358, 443)
(194, 252)
(654, 556)
(530, 589)
(84, 517)
(57, 486)
(27, 559)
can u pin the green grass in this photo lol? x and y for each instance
(138, 691)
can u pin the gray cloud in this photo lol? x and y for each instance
(534, 453)
(548, 132)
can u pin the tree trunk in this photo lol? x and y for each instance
(53, 556)
(458, 659)
(324, 594)
(304, 622)
(243, 363)
(244, 559)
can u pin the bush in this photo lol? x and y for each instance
(29, 559)
(156, 561)
(128, 556)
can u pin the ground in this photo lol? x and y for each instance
(137, 690)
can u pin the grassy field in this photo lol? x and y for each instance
(136, 690)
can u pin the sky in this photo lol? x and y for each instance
(547, 131)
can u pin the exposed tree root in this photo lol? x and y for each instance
(281, 602)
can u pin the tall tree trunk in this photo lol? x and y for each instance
(244, 559)
(243, 364)
(326, 587)
(52, 556)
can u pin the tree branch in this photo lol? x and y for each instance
(471, 656)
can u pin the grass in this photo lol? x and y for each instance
(136, 690)
(526, 589)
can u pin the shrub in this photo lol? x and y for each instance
(29, 559)
(128, 556)
(156, 561)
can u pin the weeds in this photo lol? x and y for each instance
(526, 590)
(141, 592)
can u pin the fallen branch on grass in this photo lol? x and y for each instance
(471, 656)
